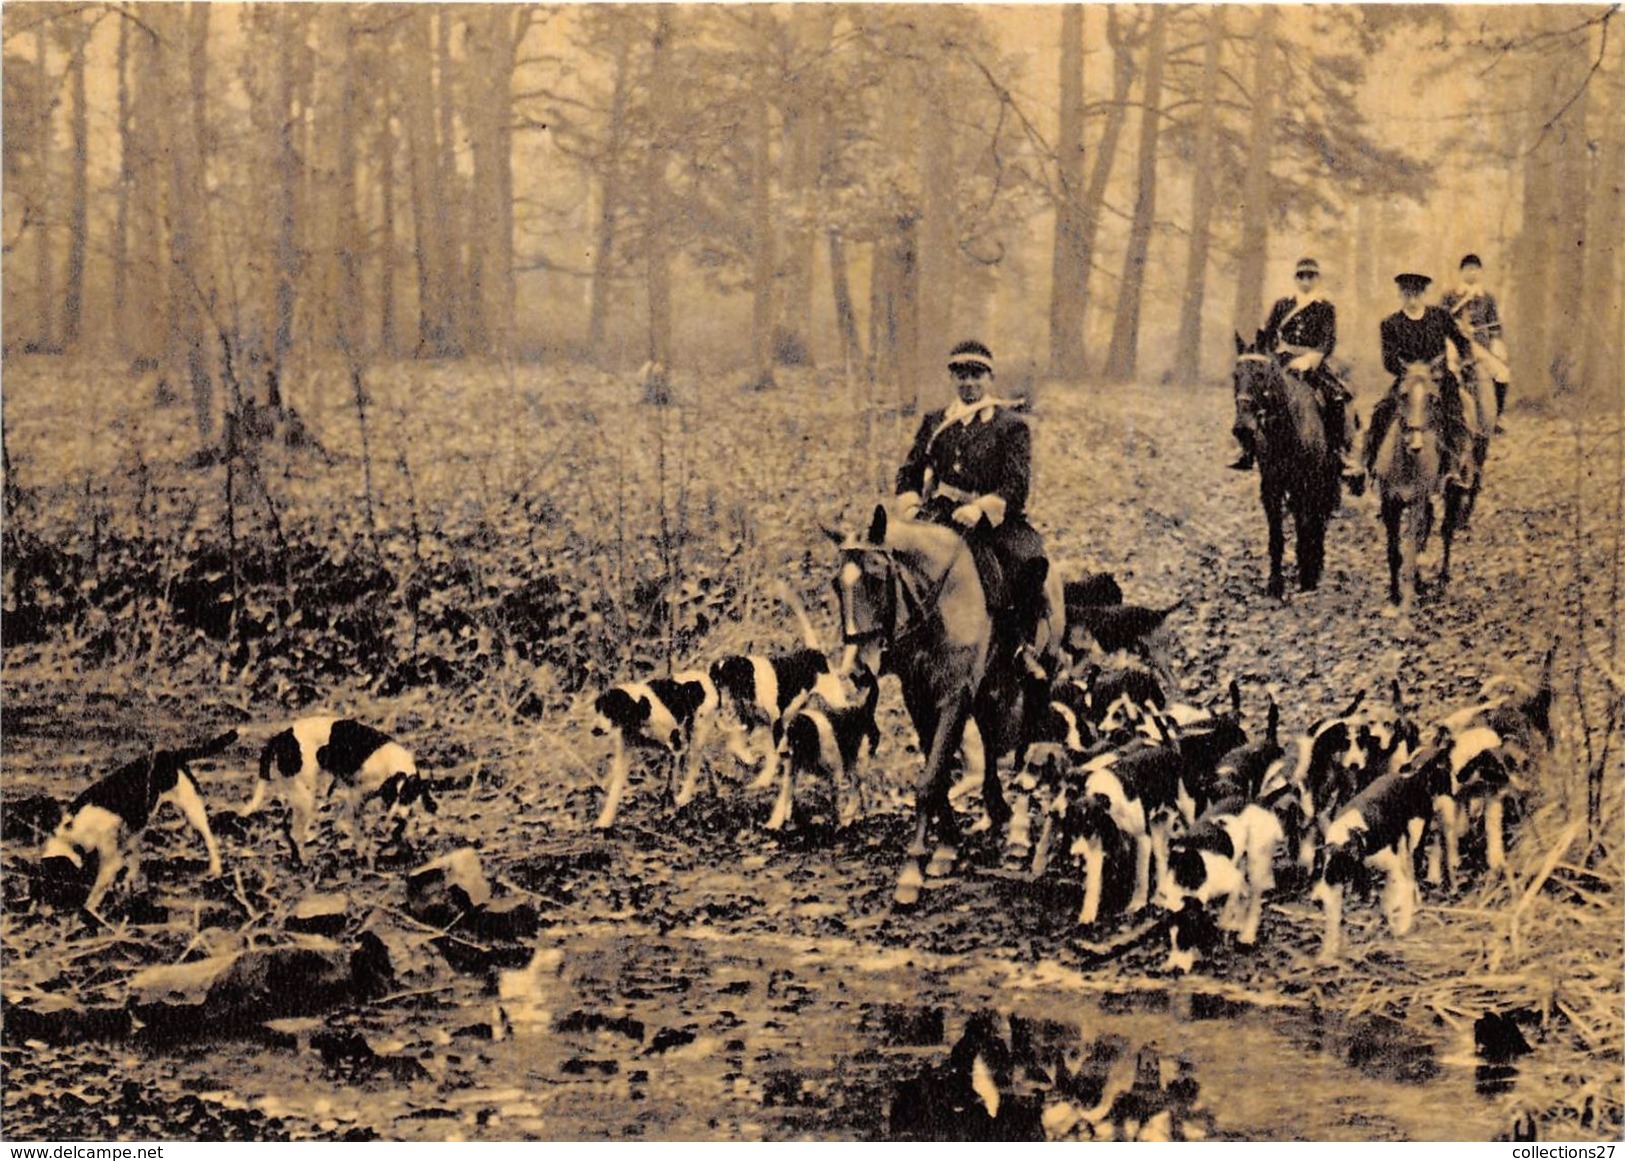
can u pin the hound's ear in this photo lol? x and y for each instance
(642, 709)
(838, 537)
(877, 526)
(1241, 347)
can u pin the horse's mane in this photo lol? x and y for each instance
(1299, 397)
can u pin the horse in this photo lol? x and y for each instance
(912, 603)
(1297, 469)
(1408, 468)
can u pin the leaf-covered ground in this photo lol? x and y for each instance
(513, 539)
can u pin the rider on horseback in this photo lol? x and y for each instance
(970, 467)
(1301, 332)
(1420, 334)
(1475, 312)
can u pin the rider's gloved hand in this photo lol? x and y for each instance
(1307, 361)
(968, 515)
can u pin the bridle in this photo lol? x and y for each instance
(1261, 400)
(903, 592)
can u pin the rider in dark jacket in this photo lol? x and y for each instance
(1419, 334)
(1301, 331)
(970, 467)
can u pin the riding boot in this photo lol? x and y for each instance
(1026, 606)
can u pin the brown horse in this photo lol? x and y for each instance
(912, 604)
(1297, 470)
(1409, 471)
(1478, 406)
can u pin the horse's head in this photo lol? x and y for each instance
(865, 586)
(1419, 390)
(1258, 384)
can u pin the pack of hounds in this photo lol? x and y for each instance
(1160, 807)
(1158, 804)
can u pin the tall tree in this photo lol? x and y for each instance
(1094, 202)
(1069, 272)
(657, 256)
(76, 35)
(44, 262)
(1188, 346)
(1122, 357)
(1255, 198)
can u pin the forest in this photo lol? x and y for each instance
(446, 367)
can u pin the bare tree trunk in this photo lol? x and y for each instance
(936, 261)
(79, 193)
(121, 213)
(44, 269)
(609, 185)
(459, 323)
(508, 26)
(1105, 154)
(1068, 272)
(810, 28)
(428, 238)
(1530, 343)
(846, 318)
(185, 60)
(350, 315)
(385, 163)
(658, 257)
(1572, 299)
(764, 266)
(1188, 347)
(290, 34)
(1122, 357)
(1255, 202)
(1604, 339)
(146, 314)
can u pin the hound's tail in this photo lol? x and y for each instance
(809, 635)
(206, 749)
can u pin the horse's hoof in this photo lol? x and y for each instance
(942, 862)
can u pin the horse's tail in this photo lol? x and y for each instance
(809, 635)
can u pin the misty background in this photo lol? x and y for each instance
(225, 196)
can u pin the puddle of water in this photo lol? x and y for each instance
(624, 1033)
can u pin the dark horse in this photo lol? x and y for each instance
(1297, 468)
(912, 604)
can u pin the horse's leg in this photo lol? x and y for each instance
(1454, 498)
(1392, 512)
(1310, 528)
(1273, 502)
(992, 729)
(946, 724)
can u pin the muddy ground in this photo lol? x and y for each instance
(696, 977)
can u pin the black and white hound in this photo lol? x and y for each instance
(755, 692)
(324, 755)
(1492, 747)
(1379, 830)
(673, 716)
(830, 740)
(106, 819)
